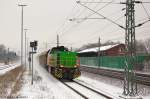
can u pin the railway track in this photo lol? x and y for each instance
(140, 78)
(85, 91)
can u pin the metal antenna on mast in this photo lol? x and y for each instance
(57, 40)
(99, 51)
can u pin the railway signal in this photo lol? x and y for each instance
(99, 52)
(33, 45)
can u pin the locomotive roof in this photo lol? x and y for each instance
(59, 48)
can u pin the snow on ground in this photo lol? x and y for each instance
(110, 86)
(5, 68)
(146, 97)
(88, 93)
(102, 87)
(9, 81)
(45, 86)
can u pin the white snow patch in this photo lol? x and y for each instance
(146, 97)
(6, 68)
(109, 90)
(88, 93)
(102, 87)
(45, 86)
(95, 49)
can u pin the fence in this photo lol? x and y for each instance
(111, 61)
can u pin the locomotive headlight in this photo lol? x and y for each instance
(61, 66)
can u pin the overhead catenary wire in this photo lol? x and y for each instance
(100, 2)
(67, 18)
(103, 16)
(109, 15)
(87, 41)
(140, 2)
(107, 33)
(87, 17)
(64, 29)
(112, 32)
(109, 3)
(107, 25)
(64, 22)
(145, 10)
(137, 25)
(99, 9)
(84, 10)
(81, 12)
(100, 30)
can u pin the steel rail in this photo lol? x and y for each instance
(93, 90)
(75, 90)
(140, 78)
(82, 95)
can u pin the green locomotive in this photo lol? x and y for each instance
(63, 64)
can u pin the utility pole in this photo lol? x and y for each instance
(28, 50)
(8, 56)
(130, 85)
(29, 59)
(71, 48)
(99, 45)
(22, 6)
(25, 46)
(32, 66)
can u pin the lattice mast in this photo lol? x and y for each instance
(130, 86)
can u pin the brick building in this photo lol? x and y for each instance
(109, 50)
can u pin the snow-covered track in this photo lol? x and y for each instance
(85, 91)
(141, 78)
(108, 97)
(74, 90)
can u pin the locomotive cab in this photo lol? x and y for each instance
(63, 63)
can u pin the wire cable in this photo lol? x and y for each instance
(99, 9)
(103, 16)
(145, 10)
(92, 14)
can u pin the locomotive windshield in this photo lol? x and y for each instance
(59, 48)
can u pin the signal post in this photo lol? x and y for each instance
(33, 46)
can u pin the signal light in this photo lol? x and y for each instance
(61, 66)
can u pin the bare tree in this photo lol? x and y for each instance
(140, 47)
(4, 54)
(147, 45)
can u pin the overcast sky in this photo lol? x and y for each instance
(47, 18)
